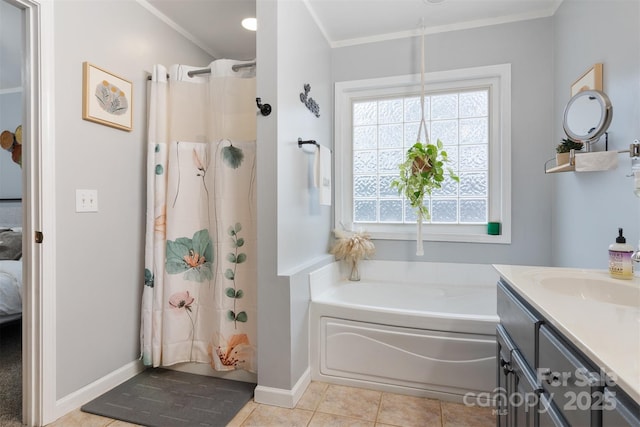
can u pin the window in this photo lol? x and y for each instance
(377, 121)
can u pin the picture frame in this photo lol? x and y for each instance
(106, 98)
(589, 80)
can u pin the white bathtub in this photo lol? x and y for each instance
(424, 329)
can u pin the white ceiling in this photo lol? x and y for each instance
(215, 24)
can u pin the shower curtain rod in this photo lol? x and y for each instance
(235, 67)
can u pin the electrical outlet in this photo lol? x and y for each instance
(86, 200)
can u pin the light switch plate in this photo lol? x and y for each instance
(86, 200)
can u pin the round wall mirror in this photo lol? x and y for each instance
(587, 116)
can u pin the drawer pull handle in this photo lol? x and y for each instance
(506, 366)
(549, 377)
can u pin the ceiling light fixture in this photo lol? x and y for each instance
(250, 24)
(433, 1)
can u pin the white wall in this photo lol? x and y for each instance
(99, 256)
(589, 207)
(293, 231)
(526, 45)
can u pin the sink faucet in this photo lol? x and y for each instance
(635, 260)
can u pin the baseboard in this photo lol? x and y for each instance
(283, 397)
(89, 392)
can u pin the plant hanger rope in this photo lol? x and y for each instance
(423, 124)
(423, 168)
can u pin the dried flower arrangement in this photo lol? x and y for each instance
(352, 247)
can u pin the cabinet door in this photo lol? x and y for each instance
(565, 376)
(548, 414)
(524, 400)
(504, 377)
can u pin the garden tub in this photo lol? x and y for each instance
(417, 328)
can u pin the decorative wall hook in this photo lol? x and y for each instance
(265, 109)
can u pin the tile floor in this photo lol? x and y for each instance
(328, 405)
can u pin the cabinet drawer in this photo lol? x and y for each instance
(617, 413)
(569, 382)
(519, 322)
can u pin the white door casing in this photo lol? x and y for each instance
(38, 348)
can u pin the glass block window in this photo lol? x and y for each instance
(377, 120)
(383, 130)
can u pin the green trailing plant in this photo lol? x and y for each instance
(422, 171)
(567, 145)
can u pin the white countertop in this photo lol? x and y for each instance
(599, 314)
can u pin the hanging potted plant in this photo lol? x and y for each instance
(422, 172)
(423, 168)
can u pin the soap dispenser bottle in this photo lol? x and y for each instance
(620, 263)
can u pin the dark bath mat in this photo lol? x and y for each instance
(166, 398)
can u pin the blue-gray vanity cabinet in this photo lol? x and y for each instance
(536, 360)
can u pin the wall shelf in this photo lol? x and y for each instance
(634, 151)
(567, 167)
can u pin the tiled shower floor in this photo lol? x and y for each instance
(333, 405)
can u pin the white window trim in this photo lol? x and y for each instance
(498, 78)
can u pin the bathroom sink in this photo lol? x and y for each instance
(593, 286)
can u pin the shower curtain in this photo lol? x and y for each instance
(199, 294)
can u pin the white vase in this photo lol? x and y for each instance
(355, 272)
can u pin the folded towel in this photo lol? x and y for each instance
(322, 174)
(596, 161)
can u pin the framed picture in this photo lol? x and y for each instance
(106, 98)
(590, 80)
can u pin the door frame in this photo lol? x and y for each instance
(38, 205)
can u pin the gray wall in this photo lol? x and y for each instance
(589, 207)
(99, 256)
(527, 46)
(11, 57)
(10, 172)
(293, 231)
(11, 51)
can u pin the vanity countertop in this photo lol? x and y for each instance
(599, 314)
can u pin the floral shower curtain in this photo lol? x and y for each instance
(199, 297)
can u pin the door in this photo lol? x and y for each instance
(38, 336)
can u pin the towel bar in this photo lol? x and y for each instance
(311, 141)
